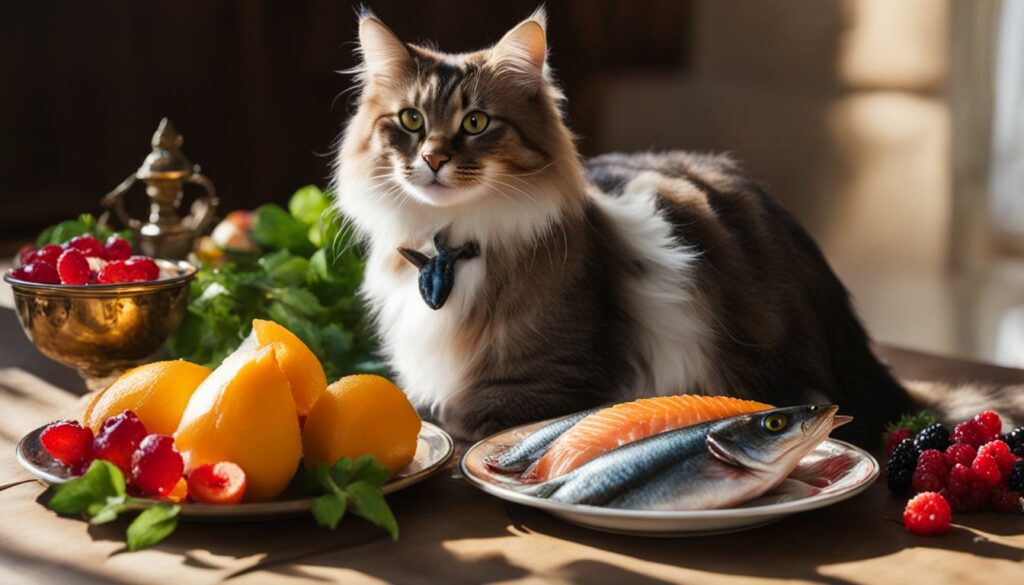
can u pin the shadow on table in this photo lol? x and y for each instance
(17, 351)
(796, 547)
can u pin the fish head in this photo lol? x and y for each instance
(773, 440)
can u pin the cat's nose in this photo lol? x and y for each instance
(435, 160)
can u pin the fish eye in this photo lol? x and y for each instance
(774, 423)
(813, 409)
(410, 119)
(475, 122)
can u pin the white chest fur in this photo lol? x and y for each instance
(420, 343)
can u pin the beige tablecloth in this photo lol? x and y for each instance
(452, 533)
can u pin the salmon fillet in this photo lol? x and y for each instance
(624, 423)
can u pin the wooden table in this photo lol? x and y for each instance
(453, 533)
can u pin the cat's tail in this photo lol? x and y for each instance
(953, 403)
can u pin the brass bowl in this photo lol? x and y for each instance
(103, 329)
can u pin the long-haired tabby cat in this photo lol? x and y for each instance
(596, 281)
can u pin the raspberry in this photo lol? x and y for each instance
(895, 437)
(67, 442)
(49, 253)
(143, 268)
(1016, 479)
(959, 453)
(221, 483)
(970, 433)
(115, 272)
(931, 472)
(986, 470)
(156, 466)
(932, 437)
(118, 438)
(999, 451)
(927, 513)
(1015, 441)
(899, 470)
(117, 248)
(87, 245)
(990, 423)
(1003, 500)
(38, 272)
(73, 268)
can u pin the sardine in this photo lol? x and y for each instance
(710, 465)
(519, 456)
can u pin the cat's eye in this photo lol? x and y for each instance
(410, 119)
(774, 423)
(475, 122)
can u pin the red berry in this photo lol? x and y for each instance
(49, 253)
(927, 513)
(143, 267)
(961, 480)
(73, 268)
(114, 272)
(894, 437)
(67, 442)
(1003, 500)
(26, 254)
(960, 453)
(220, 483)
(38, 272)
(156, 466)
(970, 433)
(990, 423)
(89, 246)
(999, 451)
(117, 248)
(986, 470)
(118, 438)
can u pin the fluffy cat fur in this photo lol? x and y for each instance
(598, 281)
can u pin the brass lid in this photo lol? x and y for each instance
(166, 161)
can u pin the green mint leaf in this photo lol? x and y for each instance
(307, 204)
(329, 509)
(369, 503)
(89, 493)
(322, 477)
(368, 469)
(151, 526)
(107, 511)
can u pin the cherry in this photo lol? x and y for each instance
(67, 442)
(118, 438)
(117, 248)
(156, 466)
(73, 268)
(38, 272)
(89, 246)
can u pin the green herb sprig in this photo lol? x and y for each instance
(100, 495)
(351, 482)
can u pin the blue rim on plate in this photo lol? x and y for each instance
(434, 450)
(851, 470)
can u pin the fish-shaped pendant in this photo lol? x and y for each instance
(437, 274)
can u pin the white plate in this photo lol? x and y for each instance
(433, 450)
(839, 468)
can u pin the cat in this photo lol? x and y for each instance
(596, 281)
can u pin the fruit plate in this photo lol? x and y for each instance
(836, 469)
(433, 451)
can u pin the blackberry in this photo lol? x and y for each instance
(899, 480)
(1016, 482)
(1015, 441)
(932, 437)
(899, 471)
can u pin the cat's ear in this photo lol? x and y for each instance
(523, 51)
(383, 52)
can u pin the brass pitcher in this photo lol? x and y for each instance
(165, 171)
